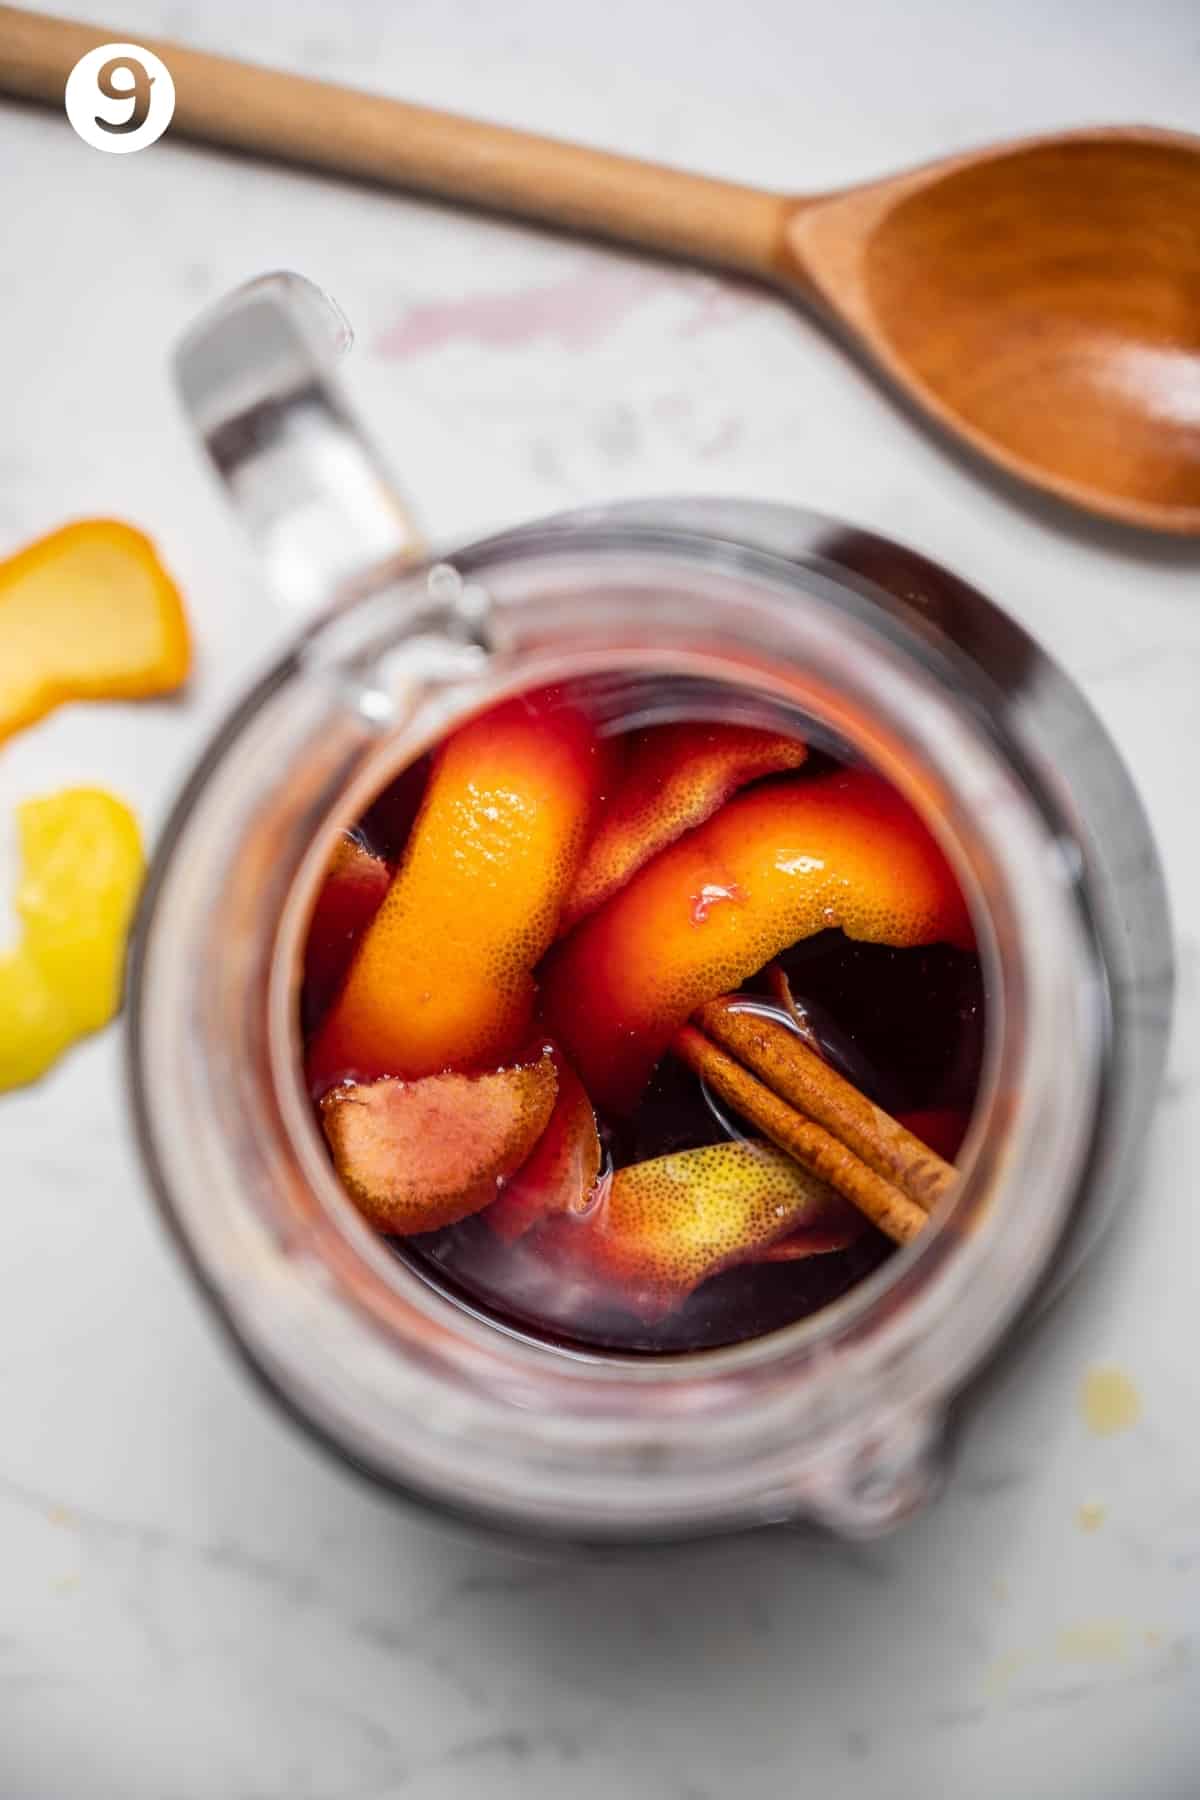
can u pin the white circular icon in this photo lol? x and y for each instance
(120, 98)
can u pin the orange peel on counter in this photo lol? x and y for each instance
(81, 871)
(675, 777)
(416, 1155)
(443, 975)
(660, 1228)
(87, 613)
(771, 867)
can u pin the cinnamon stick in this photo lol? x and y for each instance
(810, 1143)
(780, 1060)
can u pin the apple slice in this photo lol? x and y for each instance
(416, 1155)
(561, 1173)
(771, 867)
(660, 1228)
(675, 778)
(442, 977)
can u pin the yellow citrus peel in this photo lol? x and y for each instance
(660, 1228)
(81, 869)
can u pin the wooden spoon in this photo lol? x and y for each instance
(1041, 300)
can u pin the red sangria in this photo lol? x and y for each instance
(637, 1027)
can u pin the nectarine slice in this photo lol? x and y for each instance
(416, 1155)
(561, 1172)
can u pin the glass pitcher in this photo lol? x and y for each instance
(842, 1419)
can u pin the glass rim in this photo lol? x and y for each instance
(538, 547)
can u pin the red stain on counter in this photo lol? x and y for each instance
(578, 310)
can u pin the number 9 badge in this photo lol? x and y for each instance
(120, 98)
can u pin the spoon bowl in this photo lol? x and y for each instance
(1042, 301)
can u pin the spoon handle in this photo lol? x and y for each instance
(319, 124)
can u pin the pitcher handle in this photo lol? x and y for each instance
(256, 378)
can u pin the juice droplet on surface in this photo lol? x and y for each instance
(1109, 1401)
(1005, 1669)
(1093, 1641)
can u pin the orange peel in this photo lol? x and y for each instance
(664, 1226)
(675, 778)
(561, 1173)
(773, 866)
(442, 977)
(87, 613)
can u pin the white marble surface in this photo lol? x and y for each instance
(193, 1604)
